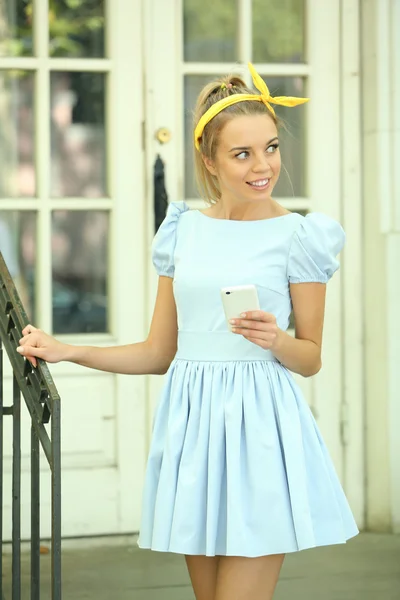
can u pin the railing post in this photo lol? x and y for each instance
(35, 516)
(56, 501)
(43, 402)
(16, 493)
(1, 465)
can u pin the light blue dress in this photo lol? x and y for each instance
(237, 465)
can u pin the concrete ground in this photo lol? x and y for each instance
(367, 568)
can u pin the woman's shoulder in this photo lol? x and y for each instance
(317, 224)
(174, 215)
(316, 241)
(164, 242)
(175, 210)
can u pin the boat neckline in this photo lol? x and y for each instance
(289, 214)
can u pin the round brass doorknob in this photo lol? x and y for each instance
(163, 135)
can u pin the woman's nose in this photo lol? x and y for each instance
(261, 163)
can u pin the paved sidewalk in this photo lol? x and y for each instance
(367, 568)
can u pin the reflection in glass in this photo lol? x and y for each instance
(17, 144)
(76, 28)
(18, 247)
(292, 136)
(192, 86)
(78, 154)
(209, 30)
(292, 181)
(80, 269)
(278, 31)
(16, 28)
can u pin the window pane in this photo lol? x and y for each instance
(292, 181)
(16, 28)
(278, 31)
(80, 268)
(76, 28)
(18, 246)
(192, 86)
(17, 144)
(78, 155)
(209, 30)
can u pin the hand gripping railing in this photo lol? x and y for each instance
(43, 402)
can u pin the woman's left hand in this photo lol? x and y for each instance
(258, 327)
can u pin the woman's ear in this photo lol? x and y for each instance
(210, 166)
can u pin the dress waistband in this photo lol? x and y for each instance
(217, 346)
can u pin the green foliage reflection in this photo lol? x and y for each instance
(76, 28)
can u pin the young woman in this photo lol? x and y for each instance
(238, 474)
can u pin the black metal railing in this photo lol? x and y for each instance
(43, 402)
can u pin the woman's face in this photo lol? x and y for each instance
(247, 162)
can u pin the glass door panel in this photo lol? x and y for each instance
(18, 246)
(80, 267)
(76, 28)
(278, 31)
(53, 140)
(16, 32)
(17, 134)
(256, 37)
(210, 28)
(78, 144)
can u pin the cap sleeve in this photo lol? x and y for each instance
(164, 241)
(315, 245)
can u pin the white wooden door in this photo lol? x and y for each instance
(71, 230)
(295, 45)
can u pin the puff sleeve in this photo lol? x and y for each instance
(315, 244)
(163, 246)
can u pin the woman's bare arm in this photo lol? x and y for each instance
(153, 356)
(302, 354)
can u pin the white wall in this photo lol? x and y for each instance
(393, 269)
(380, 62)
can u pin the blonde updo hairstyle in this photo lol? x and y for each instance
(211, 93)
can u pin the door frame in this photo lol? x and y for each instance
(353, 386)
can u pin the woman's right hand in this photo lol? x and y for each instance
(37, 344)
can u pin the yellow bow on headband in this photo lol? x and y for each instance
(264, 96)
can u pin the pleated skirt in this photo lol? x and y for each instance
(237, 465)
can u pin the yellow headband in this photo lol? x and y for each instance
(264, 97)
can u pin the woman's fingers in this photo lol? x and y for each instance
(259, 342)
(259, 335)
(40, 344)
(29, 329)
(260, 339)
(25, 339)
(255, 325)
(31, 351)
(32, 360)
(258, 327)
(30, 346)
(32, 339)
(259, 315)
(257, 319)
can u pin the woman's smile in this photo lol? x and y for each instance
(259, 184)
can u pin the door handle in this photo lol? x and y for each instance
(163, 135)
(160, 193)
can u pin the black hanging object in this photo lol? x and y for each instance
(160, 193)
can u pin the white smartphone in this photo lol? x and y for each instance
(238, 299)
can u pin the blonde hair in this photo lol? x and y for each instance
(212, 92)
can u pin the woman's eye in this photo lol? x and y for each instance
(272, 148)
(242, 155)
